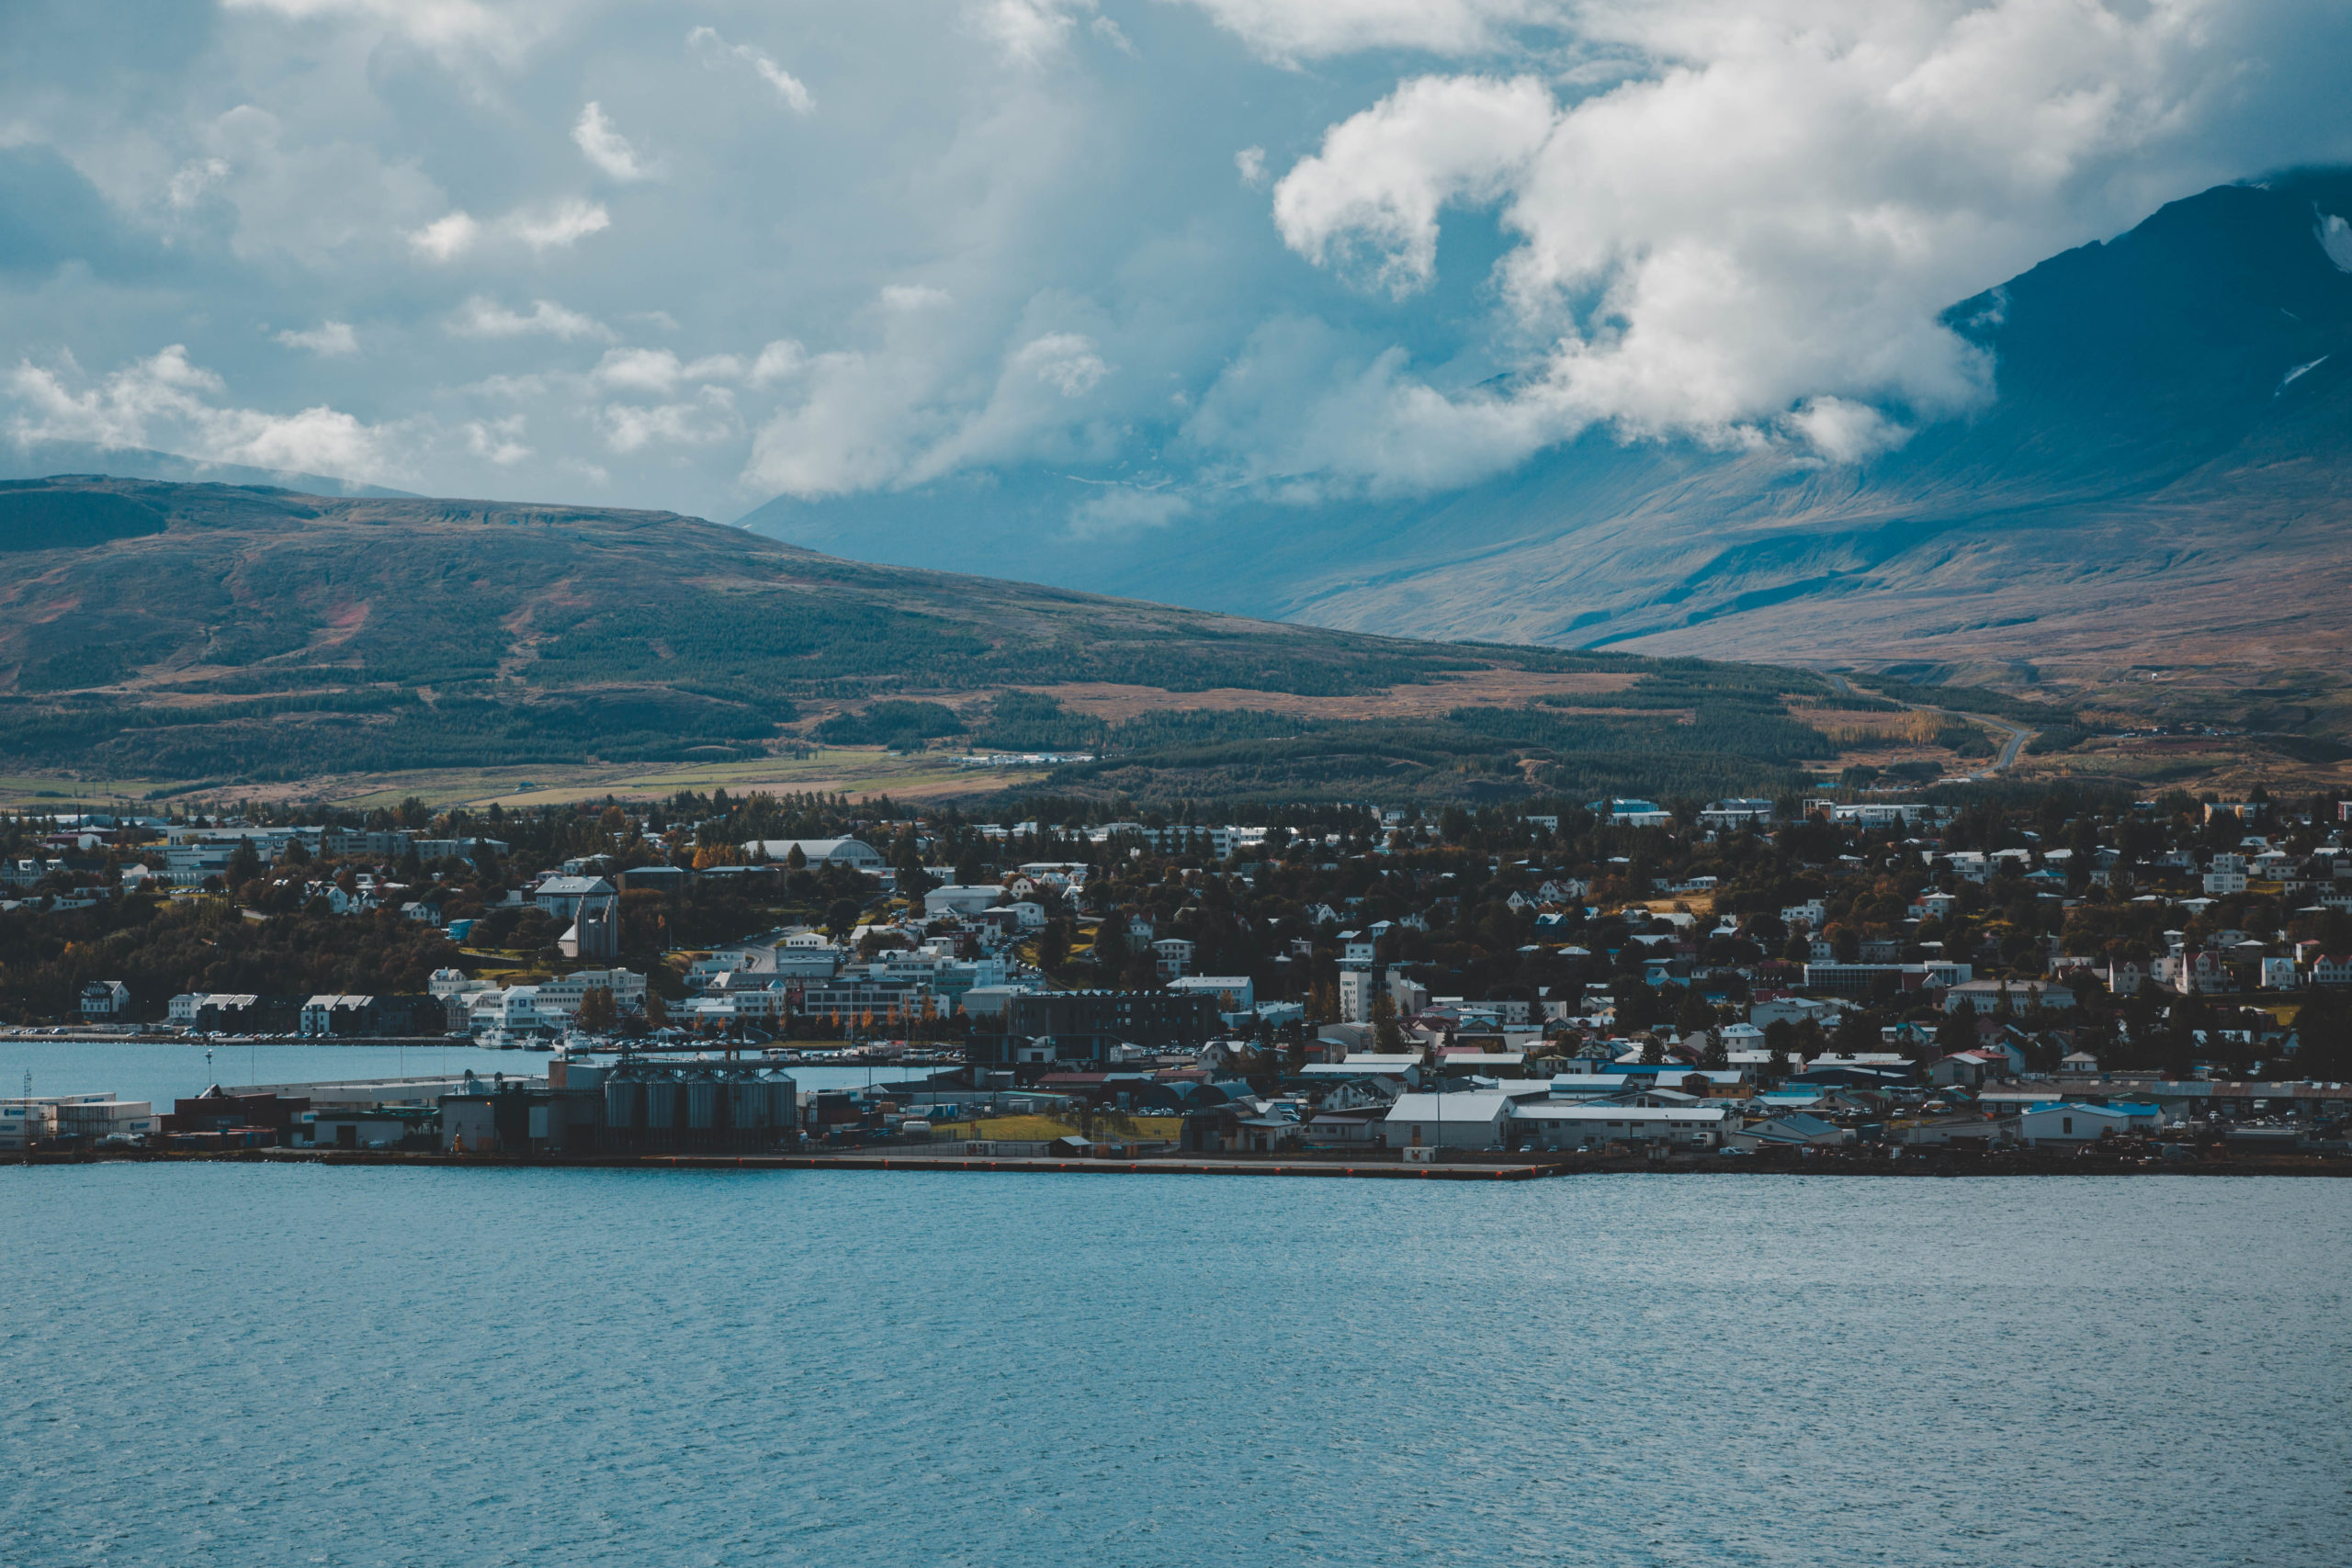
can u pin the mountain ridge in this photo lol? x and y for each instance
(2170, 440)
(155, 630)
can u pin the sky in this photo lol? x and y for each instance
(696, 255)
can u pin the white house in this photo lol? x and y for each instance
(2064, 1122)
(104, 999)
(960, 900)
(1475, 1120)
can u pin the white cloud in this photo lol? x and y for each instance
(169, 404)
(913, 297)
(1288, 30)
(788, 88)
(1368, 201)
(778, 361)
(327, 340)
(1039, 408)
(499, 441)
(563, 224)
(660, 370)
(1110, 32)
(1117, 510)
(1759, 229)
(452, 28)
(1846, 432)
(193, 179)
(1064, 361)
(1733, 219)
(481, 317)
(447, 238)
(629, 427)
(607, 148)
(550, 227)
(1028, 32)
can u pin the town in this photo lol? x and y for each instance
(1811, 977)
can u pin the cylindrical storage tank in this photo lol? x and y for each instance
(662, 1106)
(623, 1105)
(702, 1104)
(747, 1104)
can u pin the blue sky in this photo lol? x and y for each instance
(695, 255)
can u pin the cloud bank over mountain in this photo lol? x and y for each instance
(1181, 250)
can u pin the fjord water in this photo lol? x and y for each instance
(241, 1364)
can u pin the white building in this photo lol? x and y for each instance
(514, 1011)
(106, 998)
(2064, 1122)
(565, 995)
(1550, 1124)
(961, 900)
(851, 853)
(1356, 996)
(1238, 986)
(1473, 1120)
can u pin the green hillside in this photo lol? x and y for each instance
(232, 635)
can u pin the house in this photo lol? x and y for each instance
(2021, 995)
(1794, 1129)
(960, 900)
(1234, 993)
(2069, 1123)
(851, 853)
(1969, 1069)
(329, 1015)
(106, 998)
(2331, 969)
(1174, 956)
(2078, 1065)
(1474, 1120)
(1944, 1131)
(562, 896)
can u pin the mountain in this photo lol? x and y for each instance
(2163, 478)
(39, 460)
(222, 633)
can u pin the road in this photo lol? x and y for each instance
(2010, 750)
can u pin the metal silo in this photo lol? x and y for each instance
(661, 1098)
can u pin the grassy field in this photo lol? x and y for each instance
(856, 770)
(853, 770)
(35, 793)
